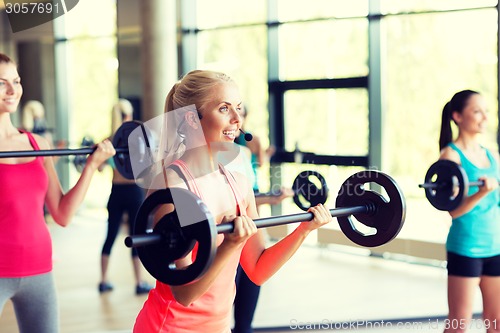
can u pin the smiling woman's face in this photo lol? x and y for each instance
(221, 118)
(10, 88)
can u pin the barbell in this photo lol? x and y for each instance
(120, 142)
(306, 191)
(446, 185)
(176, 233)
(79, 161)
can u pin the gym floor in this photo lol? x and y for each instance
(320, 289)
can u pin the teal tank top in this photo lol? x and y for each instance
(476, 234)
(241, 141)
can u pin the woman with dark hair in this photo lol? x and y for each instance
(473, 242)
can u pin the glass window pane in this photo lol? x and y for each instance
(93, 86)
(327, 122)
(424, 73)
(221, 13)
(91, 18)
(398, 6)
(244, 59)
(334, 176)
(293, 10)
(326, 49)
(92, 89)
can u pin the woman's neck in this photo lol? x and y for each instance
(468, 142)
(7, 129)
(200, 161)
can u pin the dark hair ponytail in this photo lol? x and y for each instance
(445, 136)
(456, 104)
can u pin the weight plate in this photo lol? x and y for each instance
(451, 185)
(307, 193)
(387, 216)
(190, 226)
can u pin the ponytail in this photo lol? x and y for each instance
(457, 104)
(169, 102)
(445, 136)
(120, 110)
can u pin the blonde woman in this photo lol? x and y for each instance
(205, 304)
(126, 197)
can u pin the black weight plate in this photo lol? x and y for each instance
(307, 191)
(120, 140)
(190, 223)
(142, 151)
(79, 161)
(387, 217)
(451, 185)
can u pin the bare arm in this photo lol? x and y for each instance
(274, 199)
(62, 206)
(469, 202)
(260, 263)
(244, 228)
(186, 294)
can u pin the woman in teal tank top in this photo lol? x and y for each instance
(473, 242)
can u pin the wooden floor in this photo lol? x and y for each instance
(76, 270)
(334, 287)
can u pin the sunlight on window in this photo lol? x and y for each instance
(221, 13)
(293, 10)
(92, 80)
(91, 18)
(324, 49)
(398, 6)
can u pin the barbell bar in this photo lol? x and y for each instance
(120, 143)
(446, 185)
(54, 152)
(266, 222)
(176, 233)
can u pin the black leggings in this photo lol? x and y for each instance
(245, 302)
(123, 198)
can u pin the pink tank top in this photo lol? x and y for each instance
(25, 243)
(211, 313)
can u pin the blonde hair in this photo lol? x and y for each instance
(32, 110)
(120, 110)
(194, 88)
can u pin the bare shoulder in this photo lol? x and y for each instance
(449, 153)
(163, 179)
(42, 142)
(495, 154)
(246, 151)
(242, 180)
(166, 177)
(240, 177)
